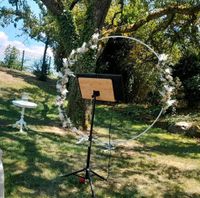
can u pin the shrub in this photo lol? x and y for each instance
(188, 71)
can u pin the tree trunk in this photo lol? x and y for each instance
(96, 14)
(43, 75)
(79, 110)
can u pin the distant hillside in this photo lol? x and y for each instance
(19, 79)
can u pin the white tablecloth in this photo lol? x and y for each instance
(1, 176)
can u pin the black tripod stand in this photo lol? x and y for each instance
(88, 171)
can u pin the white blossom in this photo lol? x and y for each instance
(162, 79)
(84, 45)
(168, 70)
(70, 63)
(58, 86)
(95, 37)
(169, 103)
(66, 62)
(169, 78)
(81, 50)
(84, 50)
(61, 116)
(64, 124)
(68, 120)
(68, 72)
(58, 98)
(93, 47)
(59, 103)
(163, 57)
(60, 75)
(73, 52)
(65, 80)
(168, 88)
(64, 91)
(162, 93)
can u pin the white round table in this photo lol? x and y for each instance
(23, 104)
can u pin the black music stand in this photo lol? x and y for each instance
(98, 87)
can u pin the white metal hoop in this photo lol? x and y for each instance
(113, 144)
(157, 55)
(134, 39)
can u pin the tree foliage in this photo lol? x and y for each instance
(188, 71)
(11, 58)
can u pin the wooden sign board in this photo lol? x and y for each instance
(104, 86)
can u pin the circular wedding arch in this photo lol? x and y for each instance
(159, 60)
(153, 51)
(131, 38)
(92, 44)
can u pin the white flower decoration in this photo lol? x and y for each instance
(60, 75)
(64, 92)
(58, 86)
(93, 47)
(168, 70)
(61, 116)
(165, 78)
(73, 52)
(168, 88)
(163, 57)
(169, 103)
(95, 37)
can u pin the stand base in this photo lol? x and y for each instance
(20, 124)
(88, 175)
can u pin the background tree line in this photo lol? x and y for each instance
(16, 60)
(11, 57)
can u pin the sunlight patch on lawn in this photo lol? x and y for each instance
(191, 185)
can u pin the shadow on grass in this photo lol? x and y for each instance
(119, 120)
(124, 127)
(40, 115)
(29, 167)
(173, 146)
(178, 192)
(34, 161)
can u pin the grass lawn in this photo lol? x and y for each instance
(159, 164)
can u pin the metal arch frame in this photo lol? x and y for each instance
(162, 109)
(134, 39)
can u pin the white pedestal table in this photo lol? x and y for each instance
(23, 104)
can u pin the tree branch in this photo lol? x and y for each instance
(162, 26)
(120, 12)
(74, 2)
(183, 10)
(54, 6)
(100, 11)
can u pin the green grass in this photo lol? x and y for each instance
(159, 164)
(191, 115)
